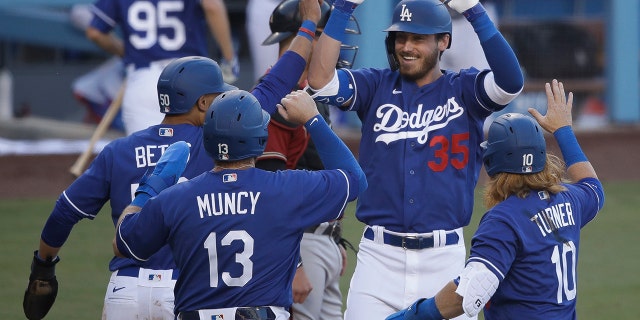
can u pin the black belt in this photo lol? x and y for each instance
(334, 230)
(135, 271)
(411, 242)
(243, 313)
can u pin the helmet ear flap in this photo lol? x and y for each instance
(390, 45)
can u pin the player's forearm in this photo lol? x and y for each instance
(322, 66)
(107, 42)
(219, 26)
(499, 54)
(46, 251)
(449, 303)
(130, 209)
(578, 166)
(332, 150)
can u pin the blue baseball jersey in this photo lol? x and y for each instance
(114, 175)
(531, 244)
(236, 234)
(154, 29)
(420, 148)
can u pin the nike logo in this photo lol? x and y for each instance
(313, 121)
(117, 289)
(396, 91)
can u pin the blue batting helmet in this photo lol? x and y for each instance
(515, 144)
(186, 79)
(235, 127)
(420, 17)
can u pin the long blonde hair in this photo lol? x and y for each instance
(504, 184)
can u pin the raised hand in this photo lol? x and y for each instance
(461, 5)
(558, 108)
(298, 107)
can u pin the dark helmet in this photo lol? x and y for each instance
(235, 127)
(285, 21)
(186, 79)
(420, 17)
(515, 144)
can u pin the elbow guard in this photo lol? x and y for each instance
(337, 92)
(477, 285)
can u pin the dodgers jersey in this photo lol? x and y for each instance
(114, 175)
(532, 245)
(154, 29)
(236, 234)
(421, 146)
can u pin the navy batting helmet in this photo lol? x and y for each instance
(235, 127)
(420, 17)
(285, 20)
(515, 144)
(186, 79)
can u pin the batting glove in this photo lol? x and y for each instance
(166, 173)
(422, 309)
(461, 5)
(42, 289)
(230, 70)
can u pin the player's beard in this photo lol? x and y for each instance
(416, 71)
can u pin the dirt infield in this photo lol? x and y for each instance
(615, 153)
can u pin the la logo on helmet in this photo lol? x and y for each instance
(405, 13)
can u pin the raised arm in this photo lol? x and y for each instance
(322, 66)
(284, 75)
(506, 80)
(298, 107)
(558, 121)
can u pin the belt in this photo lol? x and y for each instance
(135, 271)
(333, 229)
(242, 313)
(412, 242)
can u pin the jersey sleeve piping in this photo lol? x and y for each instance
(92, 216)
(489, 265)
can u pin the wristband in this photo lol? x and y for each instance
(474, 12)
(338, 20)
(429, 310)
(140, 199)
(307, 30)
(571, 151)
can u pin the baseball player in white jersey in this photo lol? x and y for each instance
(420, 146)
(154, 32)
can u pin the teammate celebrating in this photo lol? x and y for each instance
(154, 32)
(235, 230)
(185, 89)
(421, 131)
(316, 285)
(529, 238)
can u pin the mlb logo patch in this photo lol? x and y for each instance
(156, 277)
(217, 317)
(527, 169)
(165, 132)
(543, 195)
(229, 177)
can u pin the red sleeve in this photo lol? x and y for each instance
(285, 143)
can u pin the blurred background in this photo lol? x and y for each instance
(591, 45)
